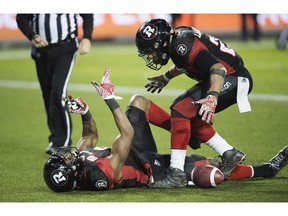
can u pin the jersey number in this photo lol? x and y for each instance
(223, 47)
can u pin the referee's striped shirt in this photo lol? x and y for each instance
(54, 27)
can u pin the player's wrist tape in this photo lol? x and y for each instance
(167, 76)
(87, 116)
(214, 93)
(112, 104)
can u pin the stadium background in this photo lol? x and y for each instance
(123, 26)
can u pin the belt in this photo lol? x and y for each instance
(68, 39)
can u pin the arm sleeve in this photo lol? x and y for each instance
(204, 60)
(88, 24)
(23, 23)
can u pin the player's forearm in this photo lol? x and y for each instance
(89, 127)
(89, 137)
(173, 72)
(124, 126)
(216, 84)
(217, 74)
(122, 143)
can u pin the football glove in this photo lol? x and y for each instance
(77, 105)
(106, 87)
(156, 83)
(208, 106)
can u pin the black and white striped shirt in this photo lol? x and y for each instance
(54, 27)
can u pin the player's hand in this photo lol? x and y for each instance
(106, 87)
(77, 105)
(156, 83)
(208, 106)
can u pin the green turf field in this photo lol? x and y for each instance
(260, 133)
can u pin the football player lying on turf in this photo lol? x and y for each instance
(132, 161)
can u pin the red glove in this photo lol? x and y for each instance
(77, 105)
(106, 87)
(208, 107)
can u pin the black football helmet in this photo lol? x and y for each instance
(62, 170)
(152, 41)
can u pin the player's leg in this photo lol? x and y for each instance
(155, 114)
(268, 169)
(137, 112)
(181, 110)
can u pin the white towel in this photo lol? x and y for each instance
(242, 95)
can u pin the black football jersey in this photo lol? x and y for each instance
(98, 173)
(195, 52)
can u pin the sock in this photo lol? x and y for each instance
(178, 158)
(159, 117)
(262, 171)
(180, 135)
(219, 144)
(242, 172)
(202, 130)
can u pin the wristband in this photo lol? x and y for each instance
(112, 104)
(87, 116)
(214, 93)
(168, 75)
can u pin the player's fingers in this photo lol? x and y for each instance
(150, 88)
(80, 102)
(147, 85)
(208, 118)
(94, 83)
(212, 118)
(204, 116)
(154, 89)
(201, 111)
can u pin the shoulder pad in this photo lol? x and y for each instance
(181, 45)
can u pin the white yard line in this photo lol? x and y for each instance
(128, 90)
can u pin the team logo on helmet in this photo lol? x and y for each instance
(149, 31)
(59, 177)
(101, 184)
(181, 49)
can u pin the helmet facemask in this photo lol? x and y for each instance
(153, 59)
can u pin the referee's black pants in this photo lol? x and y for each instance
(54, 66)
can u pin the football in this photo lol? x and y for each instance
(207, 176)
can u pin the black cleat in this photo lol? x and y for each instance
(51, 149)
(278, 161)
(214, 162)
(229, 161)
(173, 178)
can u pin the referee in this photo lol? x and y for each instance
(54, 48)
